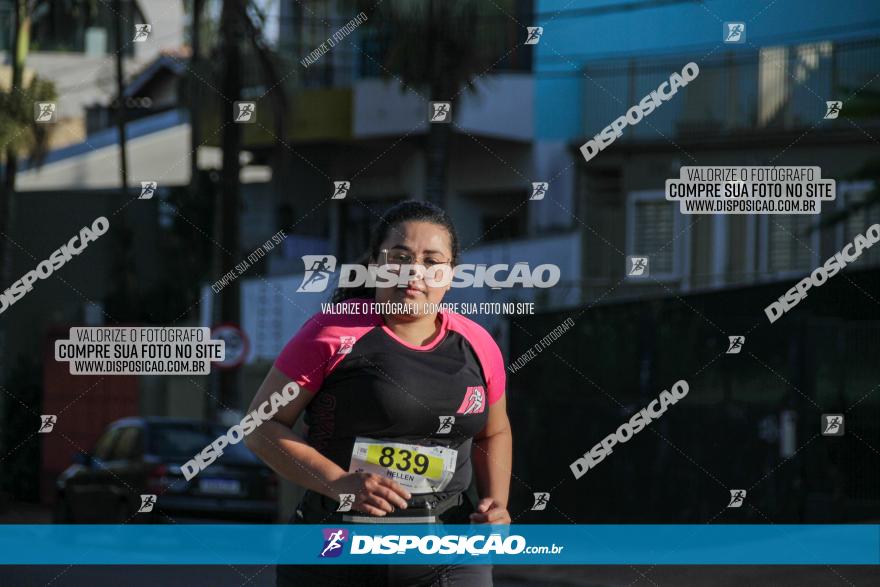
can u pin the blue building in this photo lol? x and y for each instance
(760, 101)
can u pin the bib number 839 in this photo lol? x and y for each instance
(405, 460)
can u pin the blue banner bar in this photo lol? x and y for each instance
(220, 544)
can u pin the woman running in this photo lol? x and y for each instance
(403, 408)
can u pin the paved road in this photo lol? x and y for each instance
(505, 576)
(256, 576)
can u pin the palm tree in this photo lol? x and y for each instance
(19, 132)
(439, 47)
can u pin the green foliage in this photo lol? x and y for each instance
(441, 45)
(18, 130)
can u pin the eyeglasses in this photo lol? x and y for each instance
(399, 257)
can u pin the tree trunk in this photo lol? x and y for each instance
(437, 154)
(437, 141)
(21, 43)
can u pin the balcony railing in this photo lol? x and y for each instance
(771, 89)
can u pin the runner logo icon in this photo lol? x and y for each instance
(142, 32)
(441, 112)
(148, 188)
(734, 32)
(333, 540)
(47, 424)
(535, 33)
(638, 266)
(446, 423)
(346, 343)
(340, 190)
(737, 496)
(541, 501)
(346, 500)
(318, 271)
(832, 424)
(539, 189)
(833, 109)
(736, 343)
(147, 503)
(44, 112)
(474, 401)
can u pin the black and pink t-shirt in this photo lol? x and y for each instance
(370, 383)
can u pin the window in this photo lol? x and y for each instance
(497, 216)
(653, 230)
(82, 26)
(129, 446)
(852, 196)
(104, 446)
(791, 244)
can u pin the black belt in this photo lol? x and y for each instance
(420, 509)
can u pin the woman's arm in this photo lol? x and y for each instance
(293, 458)
(492, 456)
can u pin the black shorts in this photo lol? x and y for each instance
(382, 575)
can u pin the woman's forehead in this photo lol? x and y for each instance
(417, 235)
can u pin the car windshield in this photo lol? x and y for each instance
(182, 441)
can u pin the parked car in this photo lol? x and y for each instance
(143, 456)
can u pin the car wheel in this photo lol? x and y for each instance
(62, 513)
(121, 514)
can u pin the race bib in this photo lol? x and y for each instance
(420, 469)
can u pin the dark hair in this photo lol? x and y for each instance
(410, 210)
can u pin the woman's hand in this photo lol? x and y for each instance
(373, 494)
(490, 512)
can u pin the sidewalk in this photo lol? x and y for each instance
(26, 513)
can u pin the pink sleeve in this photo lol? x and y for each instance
(496, 378)
(317, 348)
(307, 356)
(487, 352)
